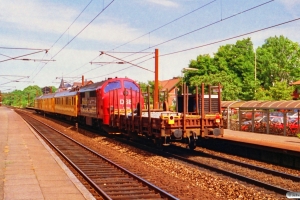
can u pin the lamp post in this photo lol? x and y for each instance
(254, 71)
(255, 67)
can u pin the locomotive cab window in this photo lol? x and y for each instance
(92, 93)
(129, 84)
(112, 86)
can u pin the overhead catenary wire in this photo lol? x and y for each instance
(72, 23)
(17, 48)
(77, 34)
(208, 25)
(230, 38)
(13, 58)
(123, 68)
(216, 22)
(83, 29)
(151, 31)
(120, 69)
(174, 20)
(61, 37)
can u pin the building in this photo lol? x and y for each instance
(170, 87)
(76, 85)
(296, 91)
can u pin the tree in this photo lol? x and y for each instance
(278, 60)
(23, 98)
(232, 66)
(281, 91)
(30, 93)
(239, 59)
(230, 88)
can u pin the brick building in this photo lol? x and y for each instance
(170, 86)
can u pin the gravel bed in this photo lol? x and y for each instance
(253, 162)
(172, 175)
(268, 178)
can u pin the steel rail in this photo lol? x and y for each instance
(267, 186)
(270, 187)
(162, 193)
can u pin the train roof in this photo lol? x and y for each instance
(46, 96)
(91, 87)
(65, 94)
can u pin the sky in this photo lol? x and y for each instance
(42, 41)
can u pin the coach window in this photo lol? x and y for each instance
(129, 84)
(112, 86)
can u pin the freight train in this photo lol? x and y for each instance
(117, 105)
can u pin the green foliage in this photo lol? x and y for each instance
(262, 94)
(278, 61)
(229, 91)
(247, 75)
(21, 98)
(281, 91)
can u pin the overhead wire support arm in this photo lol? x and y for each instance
(17, 80)
(13, 58)
(35, 60)
(66, 77)
(31, 49)
(16, 76)
(28, 59)
(124, 61)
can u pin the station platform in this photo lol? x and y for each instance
(262, 139)
(29, 169)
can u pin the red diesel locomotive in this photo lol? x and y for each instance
(99, 100)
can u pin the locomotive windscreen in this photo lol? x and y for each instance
(112, 86)
(129, 84)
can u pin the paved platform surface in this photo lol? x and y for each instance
(29, 169)
(277, 141)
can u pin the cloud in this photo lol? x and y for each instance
(291, 5)
(35, 15)
(33, 18)
(165, 3)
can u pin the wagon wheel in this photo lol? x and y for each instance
(192, 140)
(159, 143)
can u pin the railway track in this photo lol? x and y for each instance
(108, 179)
(192, 157)
(216, 163)
(203, 160)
